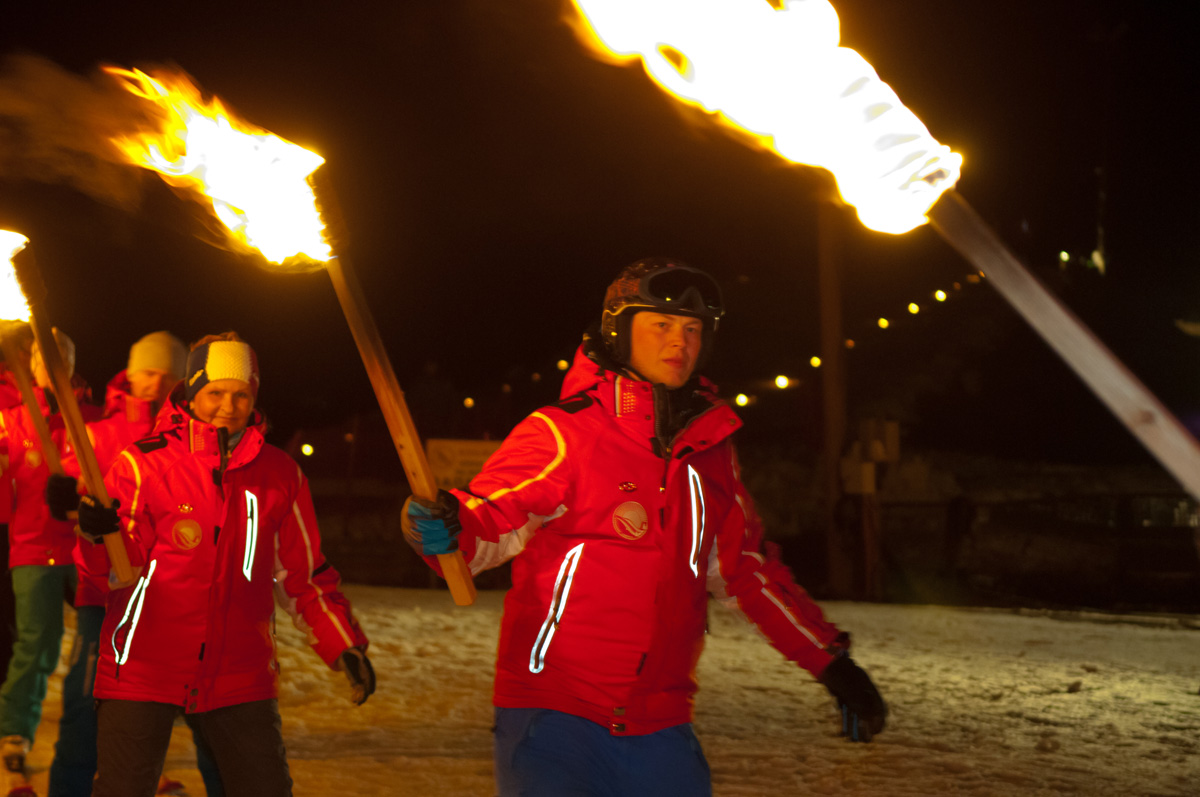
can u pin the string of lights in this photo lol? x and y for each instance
(780, 381)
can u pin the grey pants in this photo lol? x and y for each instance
(246, 740)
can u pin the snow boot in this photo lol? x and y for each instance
(16, 779)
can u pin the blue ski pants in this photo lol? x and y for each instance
(544, 753)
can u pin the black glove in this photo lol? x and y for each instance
(62, 495)
(862, 709)
(96, 520)
(359, 672)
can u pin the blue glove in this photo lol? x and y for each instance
(861, 707)
(431, 528)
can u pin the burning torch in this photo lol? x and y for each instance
(274, 198)
(774, 72)
(22, 293)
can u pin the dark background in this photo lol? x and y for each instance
(494, 177)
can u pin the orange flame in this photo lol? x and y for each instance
(257, 182)
(13, 306)
(779, 74)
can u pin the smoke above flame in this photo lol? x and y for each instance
(775, 70)
(86, 132)
(56, 127)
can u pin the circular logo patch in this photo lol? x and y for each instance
(186, 535)
(629, 519)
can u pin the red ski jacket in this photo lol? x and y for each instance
(212, 543)
(35, 538)
(125, 420)
(619, 548)
(10, 396)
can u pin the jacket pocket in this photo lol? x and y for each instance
(558, 604)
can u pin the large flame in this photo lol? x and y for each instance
(779, 74)
(256, 180)
(13, 306)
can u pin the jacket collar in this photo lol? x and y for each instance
(201, 439)
(637, 406)
(118, 401)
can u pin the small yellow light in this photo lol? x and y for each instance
(306, 450)
(1063, 257)
(741, 399)
(883, 323)
(973, 278)
(939, 295)
(814, 361)
(468, 402)
(849, 343)
(781, 381)
(563, 365)
(914, 308)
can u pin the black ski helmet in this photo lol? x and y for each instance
(665, 285)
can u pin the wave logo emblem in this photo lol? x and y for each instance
(186, 535)
(630, 521)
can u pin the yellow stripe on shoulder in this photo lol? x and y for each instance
(137, 489)
(559, 456)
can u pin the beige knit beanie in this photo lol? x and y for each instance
(158, 351)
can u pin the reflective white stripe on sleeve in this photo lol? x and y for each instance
(562, 588)
(697, 489)
(343, 632)
(134, 608)
(251, 534)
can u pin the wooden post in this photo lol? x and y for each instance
(1131, 401)
(838, 547)
(35, 293)
(383, 380)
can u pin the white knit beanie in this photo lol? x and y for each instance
(158, 351)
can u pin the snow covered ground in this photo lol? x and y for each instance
(982, 703)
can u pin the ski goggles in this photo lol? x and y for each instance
(684, 288)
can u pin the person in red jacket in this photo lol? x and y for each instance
(132, 400)
(218, 524)
(622, 509)
(40, 557)
(10, 396)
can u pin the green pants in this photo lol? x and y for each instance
(40, 591)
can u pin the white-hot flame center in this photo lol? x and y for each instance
(781, 75)
(257, 182)
(13, 306)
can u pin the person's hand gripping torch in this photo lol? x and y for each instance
(34, 290)
(259, 187)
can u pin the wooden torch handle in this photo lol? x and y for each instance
(31, 282)
(388, 393)
(1110, 380)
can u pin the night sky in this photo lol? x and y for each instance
(494, 178)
